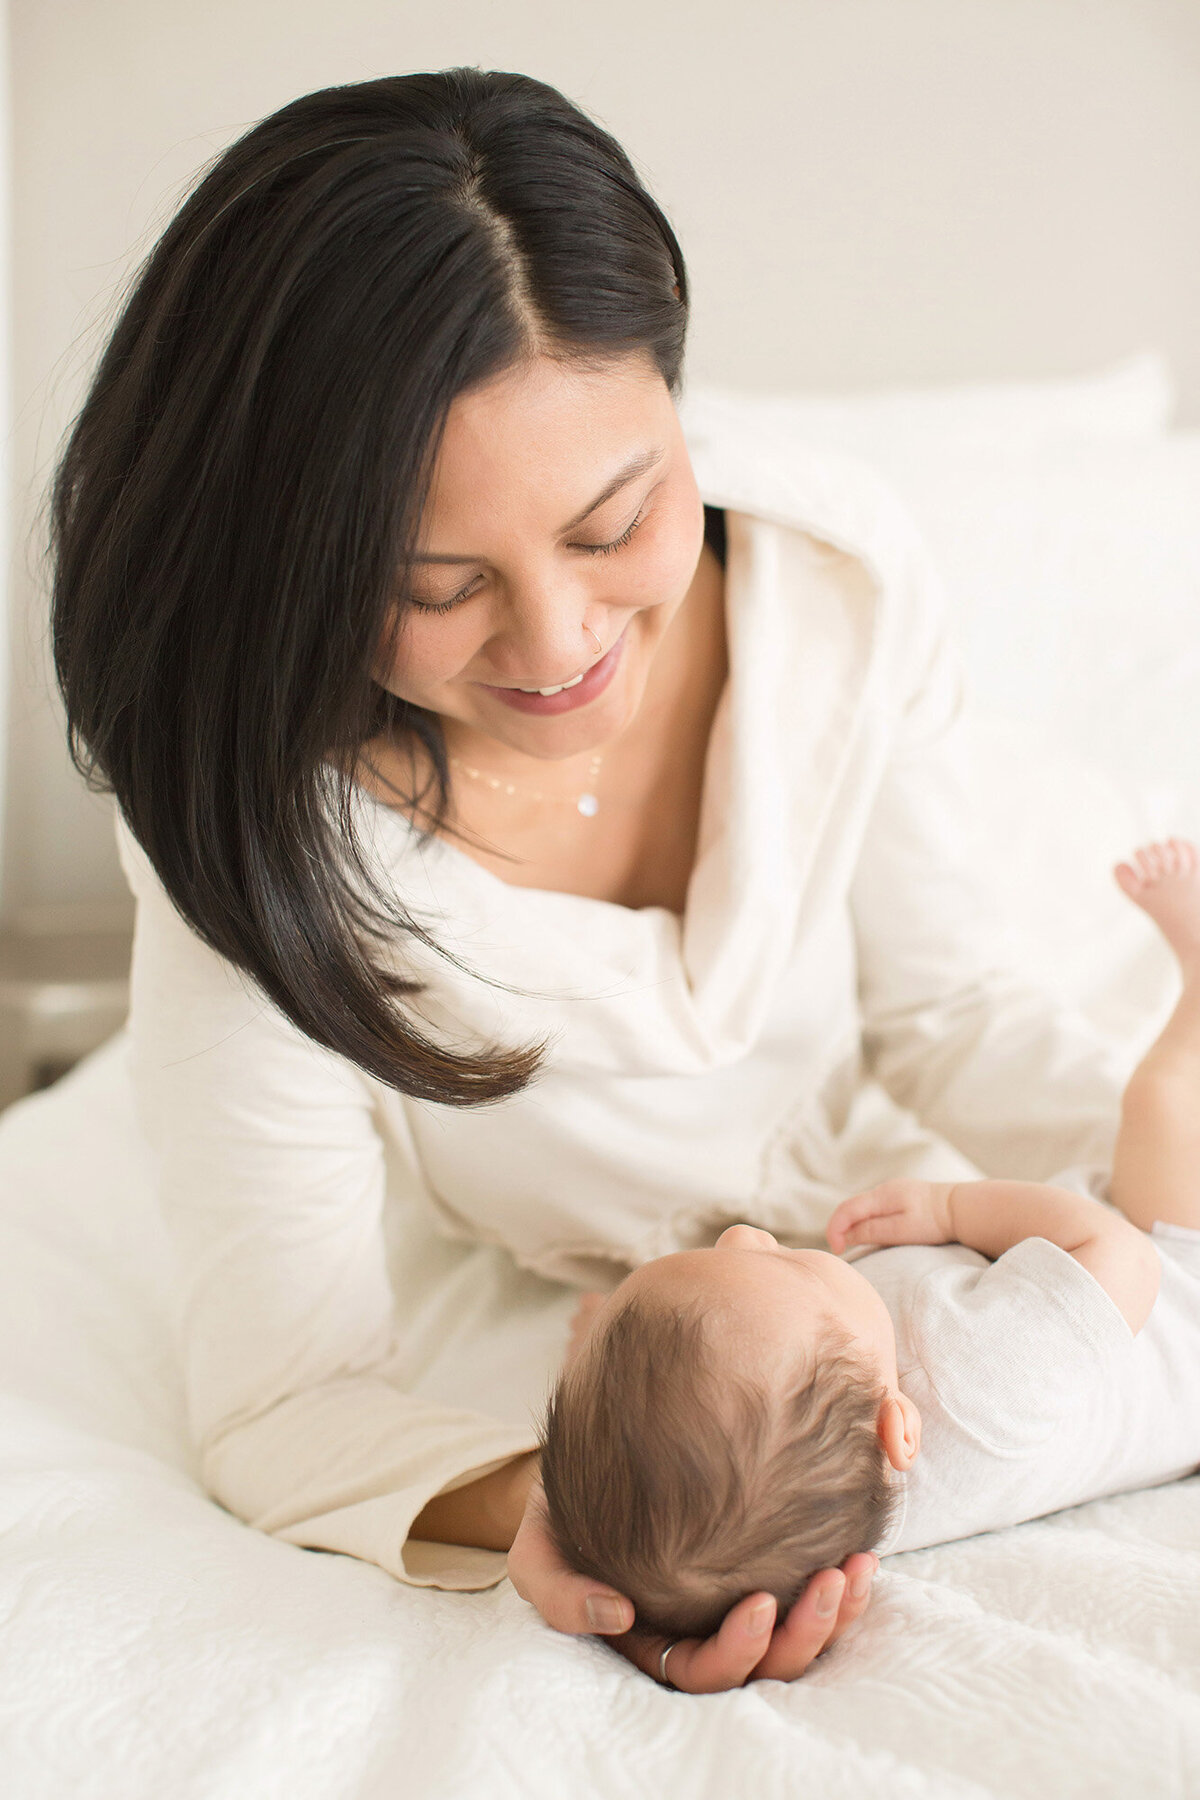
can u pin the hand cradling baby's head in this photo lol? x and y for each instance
(686, 1480)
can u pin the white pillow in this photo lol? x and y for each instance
(1073, 574)
(1054, 826)
(1133, 398)
(1065, 522)
(1068, 538)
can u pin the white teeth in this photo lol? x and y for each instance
(553, 690)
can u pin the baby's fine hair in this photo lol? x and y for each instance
(686, 1487)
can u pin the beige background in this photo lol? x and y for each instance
(867, 191)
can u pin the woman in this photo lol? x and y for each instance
(515, 834)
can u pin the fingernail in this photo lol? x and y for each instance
(758, 1619)
(827, 1600)
(604, 1613)
(859, 1585)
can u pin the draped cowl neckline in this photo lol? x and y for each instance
(641, 990)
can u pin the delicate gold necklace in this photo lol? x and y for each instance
(585, 803)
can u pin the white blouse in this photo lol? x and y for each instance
(829, 1011)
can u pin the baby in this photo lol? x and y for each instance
(735, 1418)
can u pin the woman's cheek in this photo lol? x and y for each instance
(433, 651)
(666, 567)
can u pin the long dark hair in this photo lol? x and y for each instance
(246, 479)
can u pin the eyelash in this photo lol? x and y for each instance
(445, 606)
(617, 543)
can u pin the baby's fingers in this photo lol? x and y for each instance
(881, 1228)
(852, 1217)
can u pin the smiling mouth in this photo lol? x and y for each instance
(574, 682)
(563, 696)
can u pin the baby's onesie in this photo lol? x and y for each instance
(1034, 1393)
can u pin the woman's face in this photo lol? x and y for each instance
(562, 496)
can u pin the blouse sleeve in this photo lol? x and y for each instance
(1015, 1078)
(271, 1176)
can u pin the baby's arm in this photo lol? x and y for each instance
(992, 1216)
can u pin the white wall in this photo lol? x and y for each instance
(866, 190)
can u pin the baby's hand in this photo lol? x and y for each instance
(896, 1212)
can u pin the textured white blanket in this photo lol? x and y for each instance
(154, 1648)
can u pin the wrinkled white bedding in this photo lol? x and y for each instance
(154, 1648)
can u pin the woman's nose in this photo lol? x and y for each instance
(544, 637)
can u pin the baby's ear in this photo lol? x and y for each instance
(899, 1426)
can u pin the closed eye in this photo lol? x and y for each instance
(441, 606)
(617, 543)
(444, 606)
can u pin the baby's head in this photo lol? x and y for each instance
(726, 1428)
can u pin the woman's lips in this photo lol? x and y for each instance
(593, 683)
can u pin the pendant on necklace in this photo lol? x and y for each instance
(588, 805)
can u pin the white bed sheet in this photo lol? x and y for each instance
(154, 1648)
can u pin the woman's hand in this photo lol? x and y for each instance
(749, 1645)
(896, 1212)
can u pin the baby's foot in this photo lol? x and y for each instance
(1164, 880)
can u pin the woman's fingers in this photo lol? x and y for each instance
(830, 1603)
(569, 1602)
(710, 1665)
(713, 1664)
(746, 1648)
(808, 1628)
(746, 1644)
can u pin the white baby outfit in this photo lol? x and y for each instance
(1034, 1393)
(834, 979)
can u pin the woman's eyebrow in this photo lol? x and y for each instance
(637, 465)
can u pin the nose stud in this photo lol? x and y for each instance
(595, 639)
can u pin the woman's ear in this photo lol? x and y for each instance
(899, 1426)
